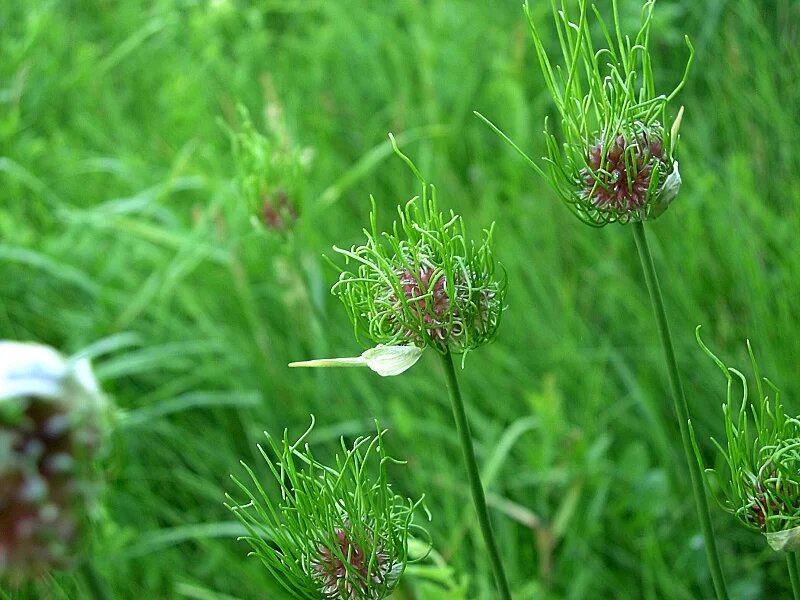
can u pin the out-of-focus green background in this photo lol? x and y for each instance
(120, 222)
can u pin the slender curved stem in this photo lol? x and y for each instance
(682, 411)
(473, 474)
(96, 587)
(794, 575)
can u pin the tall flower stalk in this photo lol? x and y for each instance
(681, 410)
(613, 161)
(424, 285)
(759, 483)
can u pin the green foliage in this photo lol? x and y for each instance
(120, 221)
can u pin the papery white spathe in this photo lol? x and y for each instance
(35, 370)
(669, 190)
(386, 361)
(784, 541)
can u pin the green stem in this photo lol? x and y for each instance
(97, 589)
(791, 562)
(478, 497)
(682, 411)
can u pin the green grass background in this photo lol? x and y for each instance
(120, 223)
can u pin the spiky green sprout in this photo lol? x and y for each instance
(271, 169)
(423, 285)
(53, 421)
(613, 159)
(337, 532)
(761, 486)
(760, 480)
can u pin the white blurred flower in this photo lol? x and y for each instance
(35, 370)
(51, 432)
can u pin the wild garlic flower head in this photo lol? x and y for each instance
(336, 532)
(761, 485)
(422, 283)
(613, 159)
(617, 162)
(271, 168)
(774, 491)
(51, 431)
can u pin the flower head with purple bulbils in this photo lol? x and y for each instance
(332, 531)
(759, 481)
(419, 285)
(350, 570)
(422, 283)
(613, 160)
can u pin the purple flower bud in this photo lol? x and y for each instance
(426, 313)
(619, 177)
(350, 571)
(279, 212)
